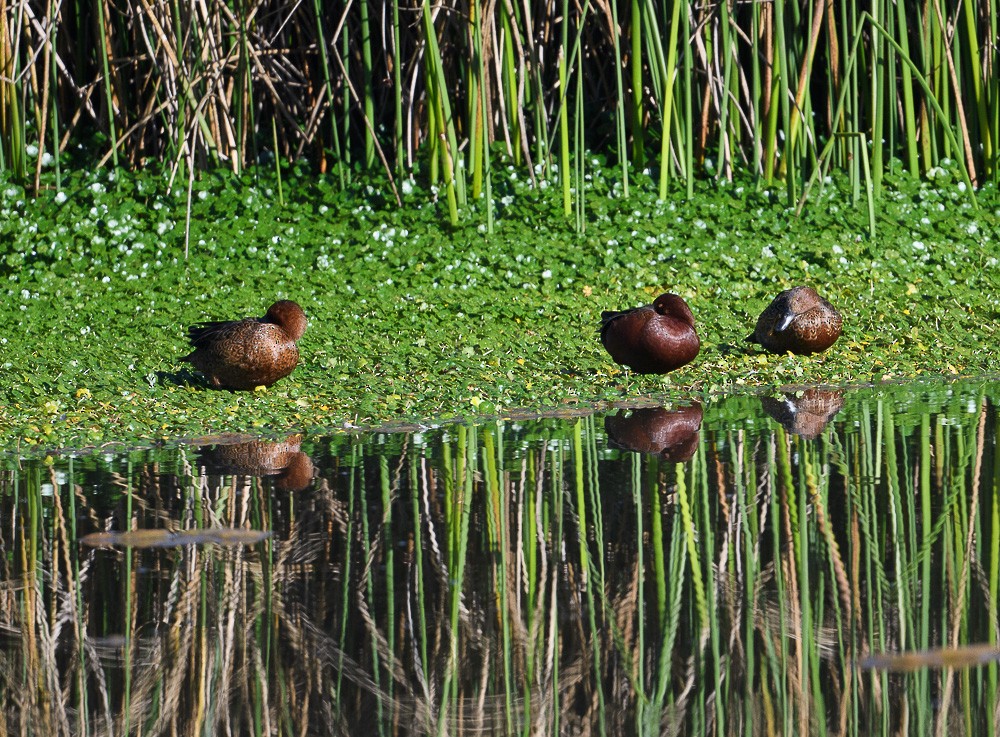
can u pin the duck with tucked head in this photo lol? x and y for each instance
(245, 354)
(797, 320)
(652, 339)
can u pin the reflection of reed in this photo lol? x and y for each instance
(502, 578)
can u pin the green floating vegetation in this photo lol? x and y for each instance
(413, 319)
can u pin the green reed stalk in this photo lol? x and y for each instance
(12, 148)
(930, 98)
(691, 535)
(809, 499)
(635, 67)
(656, 532)
(671, 629)
(353, 508)
(779, 468)
(910, 127)
(975, 68)
(688, 117)
(881, 70)
(345, 112)
(328, 87)
(127, 624)
(277, 160)
(749, 525)
(620, 113)
(457, 555)
(366, 77)
(993, 578)
(638, 483)
(927, 525)
(41, 112)
(579, 152)
(784, 92)
(106, 80)
(499, 540)
(476, 111)
(669, 73)
(79, 624)
(422, 635)
(728, 131)
(454, 182)
(564, 161)
(385, 486)
(397, 89)
(482, 171)
(509, 82)
(367, 546)
(586, 565)
(774, 96)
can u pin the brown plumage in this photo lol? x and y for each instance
(797, 320)
(653, 339)
(244, 354)
(672, 434)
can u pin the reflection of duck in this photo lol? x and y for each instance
(293, 469)
(806, 413)
(653, 339)
(797, 320)
(671, 433)
(243, 354)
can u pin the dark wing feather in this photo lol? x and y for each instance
(204, 334)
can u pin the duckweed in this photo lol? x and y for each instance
(412, 319)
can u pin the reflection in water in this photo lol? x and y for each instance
(521, 577)
(237, 454)
(168, 539)
(673, 433)
(806, 412)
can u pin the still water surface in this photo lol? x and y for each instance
(730, 568)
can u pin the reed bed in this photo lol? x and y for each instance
(521, 577)
(784, 91)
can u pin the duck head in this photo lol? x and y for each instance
(288, 316)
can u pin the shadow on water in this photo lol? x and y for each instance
(725, 568)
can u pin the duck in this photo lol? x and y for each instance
(652, 339)
(244, 354)
(797, 320)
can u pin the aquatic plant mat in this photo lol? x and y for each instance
(738, 567)
(413, 319)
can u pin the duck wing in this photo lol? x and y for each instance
(206, 334)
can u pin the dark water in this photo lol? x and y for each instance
(716, 568)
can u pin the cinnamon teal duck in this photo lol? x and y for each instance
(653, 339)
(244, 354)
(797, 320)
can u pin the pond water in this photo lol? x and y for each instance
(743, 566)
